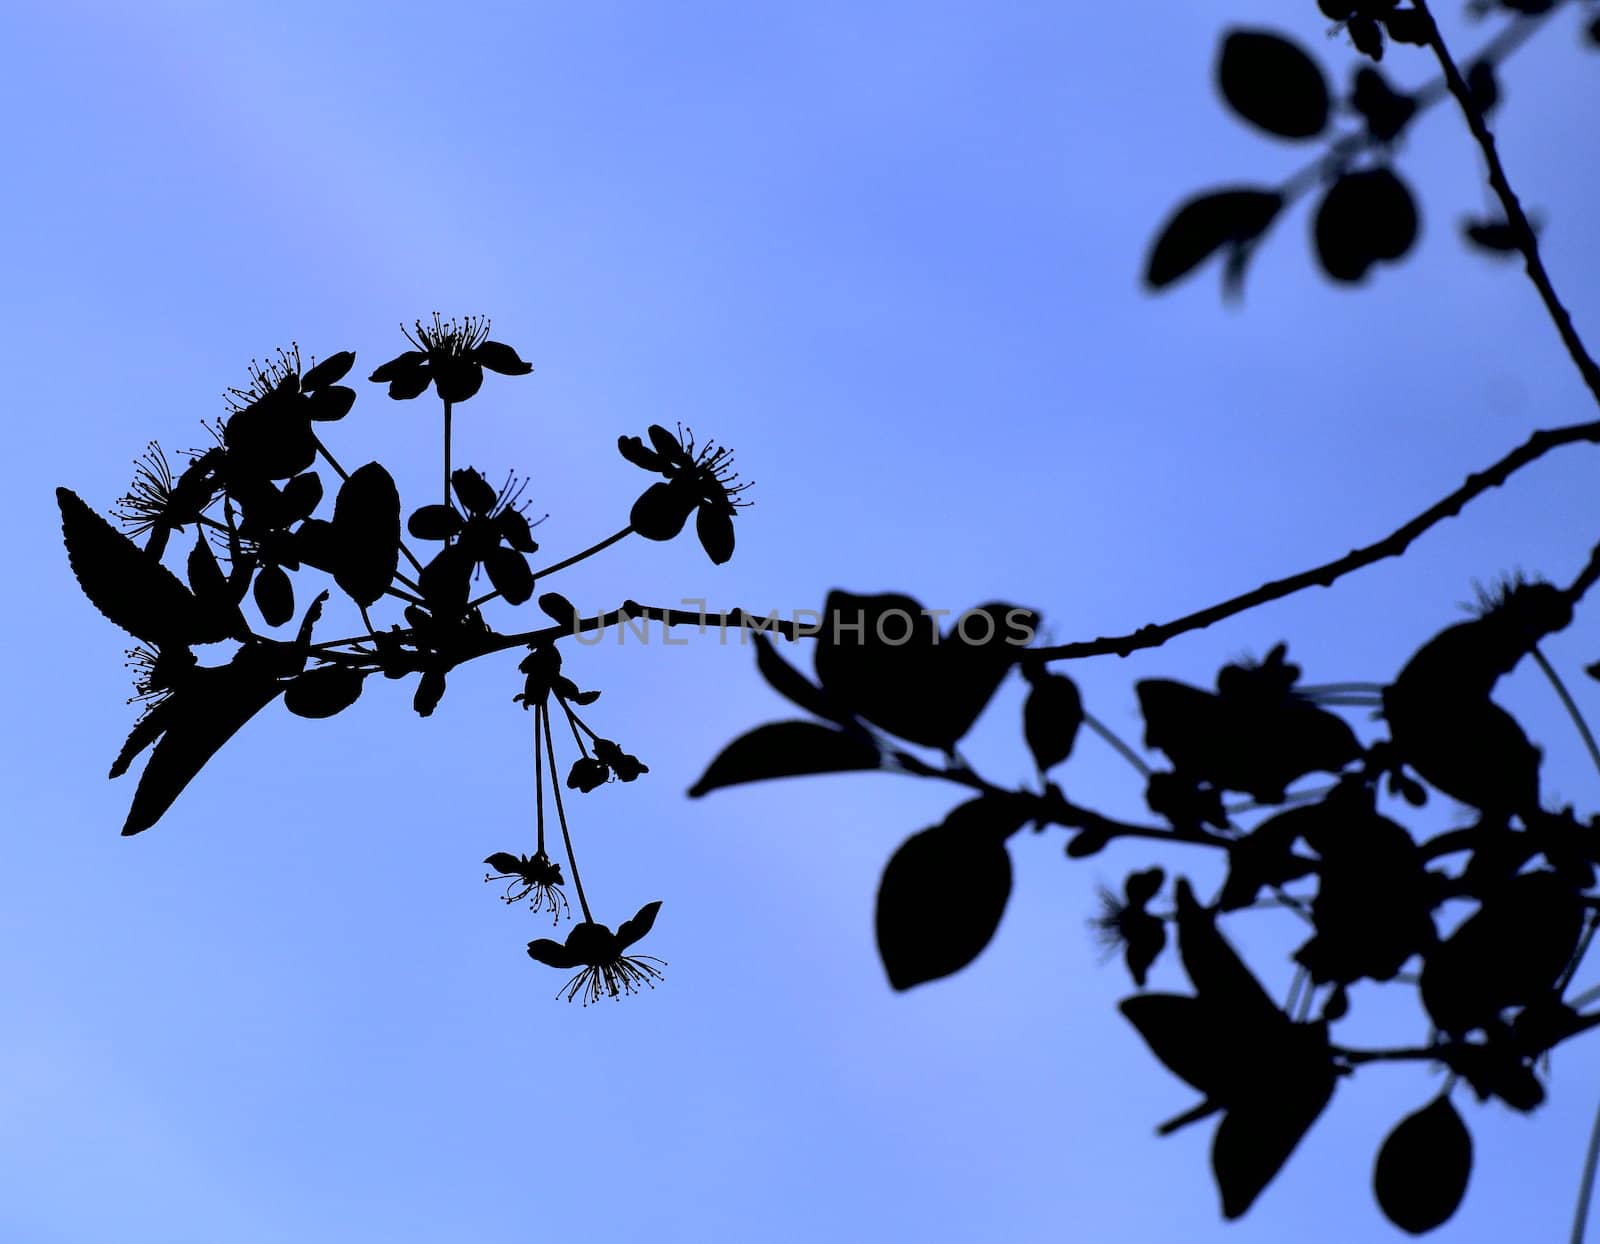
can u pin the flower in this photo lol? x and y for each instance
(491, 517)
(538, 877)
(605, 969)
(451, 357)
(267, 430)
(157, 673)
(1124, 924)
(160, 503)
(701, 480)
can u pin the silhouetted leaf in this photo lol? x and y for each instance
(1386, 110)
(1189, 1037)
(882, 658)
(1365, 217)
(1422, 1170)
(211, 707)
(787, 749)
(1051, 717)
(430, 690)
(1232, 217)
(1495, 236)
(944, 891)
(124, 582)
(1219, 975)
(1257, 1135)
(216, 603)
(274, 595)
(323, 692)
(790, 682)
(1273, 84)
(1483, 86)
(366, 525)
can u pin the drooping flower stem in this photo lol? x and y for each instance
(561, 813)
(1569, 704)
(538, 783)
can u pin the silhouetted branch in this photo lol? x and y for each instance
(1522, 230)
(1392, 545)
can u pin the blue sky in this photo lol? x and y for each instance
(891, 256)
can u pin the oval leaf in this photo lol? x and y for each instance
(366, 526)
(1422, 1170)
(323, 692)
(787, 749)
(124, 582)
(1203, 225)
(1273, 84)
(940, 901)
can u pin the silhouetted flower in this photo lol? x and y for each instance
(267, 430)
(1124, 924)
(702, 480)
(626, 767)
(451, 357)
(491, 517)
(598, 951)
(536, 878)
(156, 673)
(159, 503)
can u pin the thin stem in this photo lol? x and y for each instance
(538, 782)
(1580, 1217)
(572, 724)
(588, 552)
(447, 453)
(1392, 545)
(561, 812)
(1521, 228)
(1117, 745)
(1569, 704)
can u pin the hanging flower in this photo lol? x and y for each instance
(536, 878)
(451, 357)
(597, 951)
(491, 517)
(1124, 925)
(700, 480)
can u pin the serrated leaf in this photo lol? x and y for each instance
(787, 749)
(1273, 84)
(213, 704)
(125, 583)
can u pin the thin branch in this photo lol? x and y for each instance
(1521, 228)
(1392, 545)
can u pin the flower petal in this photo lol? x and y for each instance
(457, 379)
(552, 953)
(508, 571)
(401, 365)
(434, 522)
(497, 356)
(714, 526)
(514, 530)
(667, 445)
(409, 384)
(632, 448)
(630, 931)
(661, 511)
(474, 492)
(331, 404)
(503, 862)
(330, 371)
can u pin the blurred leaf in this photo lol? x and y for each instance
(1423, 1168)
(1051, 718)
(944, 891)
(1256, 1136)
(1273, 83)
(1201, 225)
(1365, 217)
(790, 682)
(787, 749)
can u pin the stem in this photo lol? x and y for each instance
(1527, 243)
(1580, 1216)
(538, 783)
(447, 453)
(588, 552)
(561, 812)
(1117, 745)
(1569, 704)
(1392, 545)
